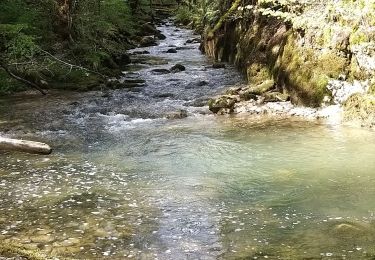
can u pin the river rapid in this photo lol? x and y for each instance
(126, 180)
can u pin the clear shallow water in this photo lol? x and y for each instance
(123, 186)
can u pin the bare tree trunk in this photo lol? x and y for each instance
(24, 146)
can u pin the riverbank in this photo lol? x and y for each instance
(318, 54)
(72, 45)
(127, 180)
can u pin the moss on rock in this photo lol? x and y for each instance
(9, 249)
(305, 71)
(360, 109)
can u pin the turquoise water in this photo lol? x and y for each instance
(125, 182)
(199, 188)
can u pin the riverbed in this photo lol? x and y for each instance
(130, 179)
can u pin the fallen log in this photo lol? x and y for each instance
(24, 146)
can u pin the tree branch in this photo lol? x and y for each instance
(72, 65)
(25, 81)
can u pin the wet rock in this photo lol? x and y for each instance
(200, 102)
(100, 232)
(172, 50)
(164, 95)
(194, 40)
(264, 87)
(160, 71)
(65, 250)
(178, 114)
(140, 52)
(44, 239)
(184, 48)
(147, 41)
(223, 104)
(74, 104)
(350, 230)
(153, 61)
(178, 68)
(127, 83)
(134, 81)
(106, 94)
(136, 89)
(161, 36)
(218, 65)
(247, 95)
(67, 242)
(202, 83)
(275, 97)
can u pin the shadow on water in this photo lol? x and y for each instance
(125, 181)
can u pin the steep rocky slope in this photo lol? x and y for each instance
(315, 51)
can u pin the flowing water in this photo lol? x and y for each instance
(126, 182)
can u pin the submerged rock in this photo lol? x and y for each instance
(164, 95)
(178, 114)
(218, 65)
(178, 68)
(161, 36)
(172, 50)
(127, 83)
(160, 71)
(202, 83)
(140, 52)
(194, 40)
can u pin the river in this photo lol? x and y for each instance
(126, 182)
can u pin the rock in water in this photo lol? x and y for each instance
(195, 40)
(161, 36)
(222, 104)
(147, 41)
(218, 65)
(178, 68)
(172, 50)
(160, 71)
(178, 114)
(140, 52)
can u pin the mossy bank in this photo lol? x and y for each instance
(302, 46)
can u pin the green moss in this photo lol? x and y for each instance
(358, 37)
(305, 72)
(184, 15)
(372, 89)
(355, 72)
(8, 249)
(360, 108)
(222, 19)
(257, 73)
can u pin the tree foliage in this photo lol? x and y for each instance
(88, 33)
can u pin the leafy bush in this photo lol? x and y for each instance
(184, 15)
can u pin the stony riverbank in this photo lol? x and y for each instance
(265, 99)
